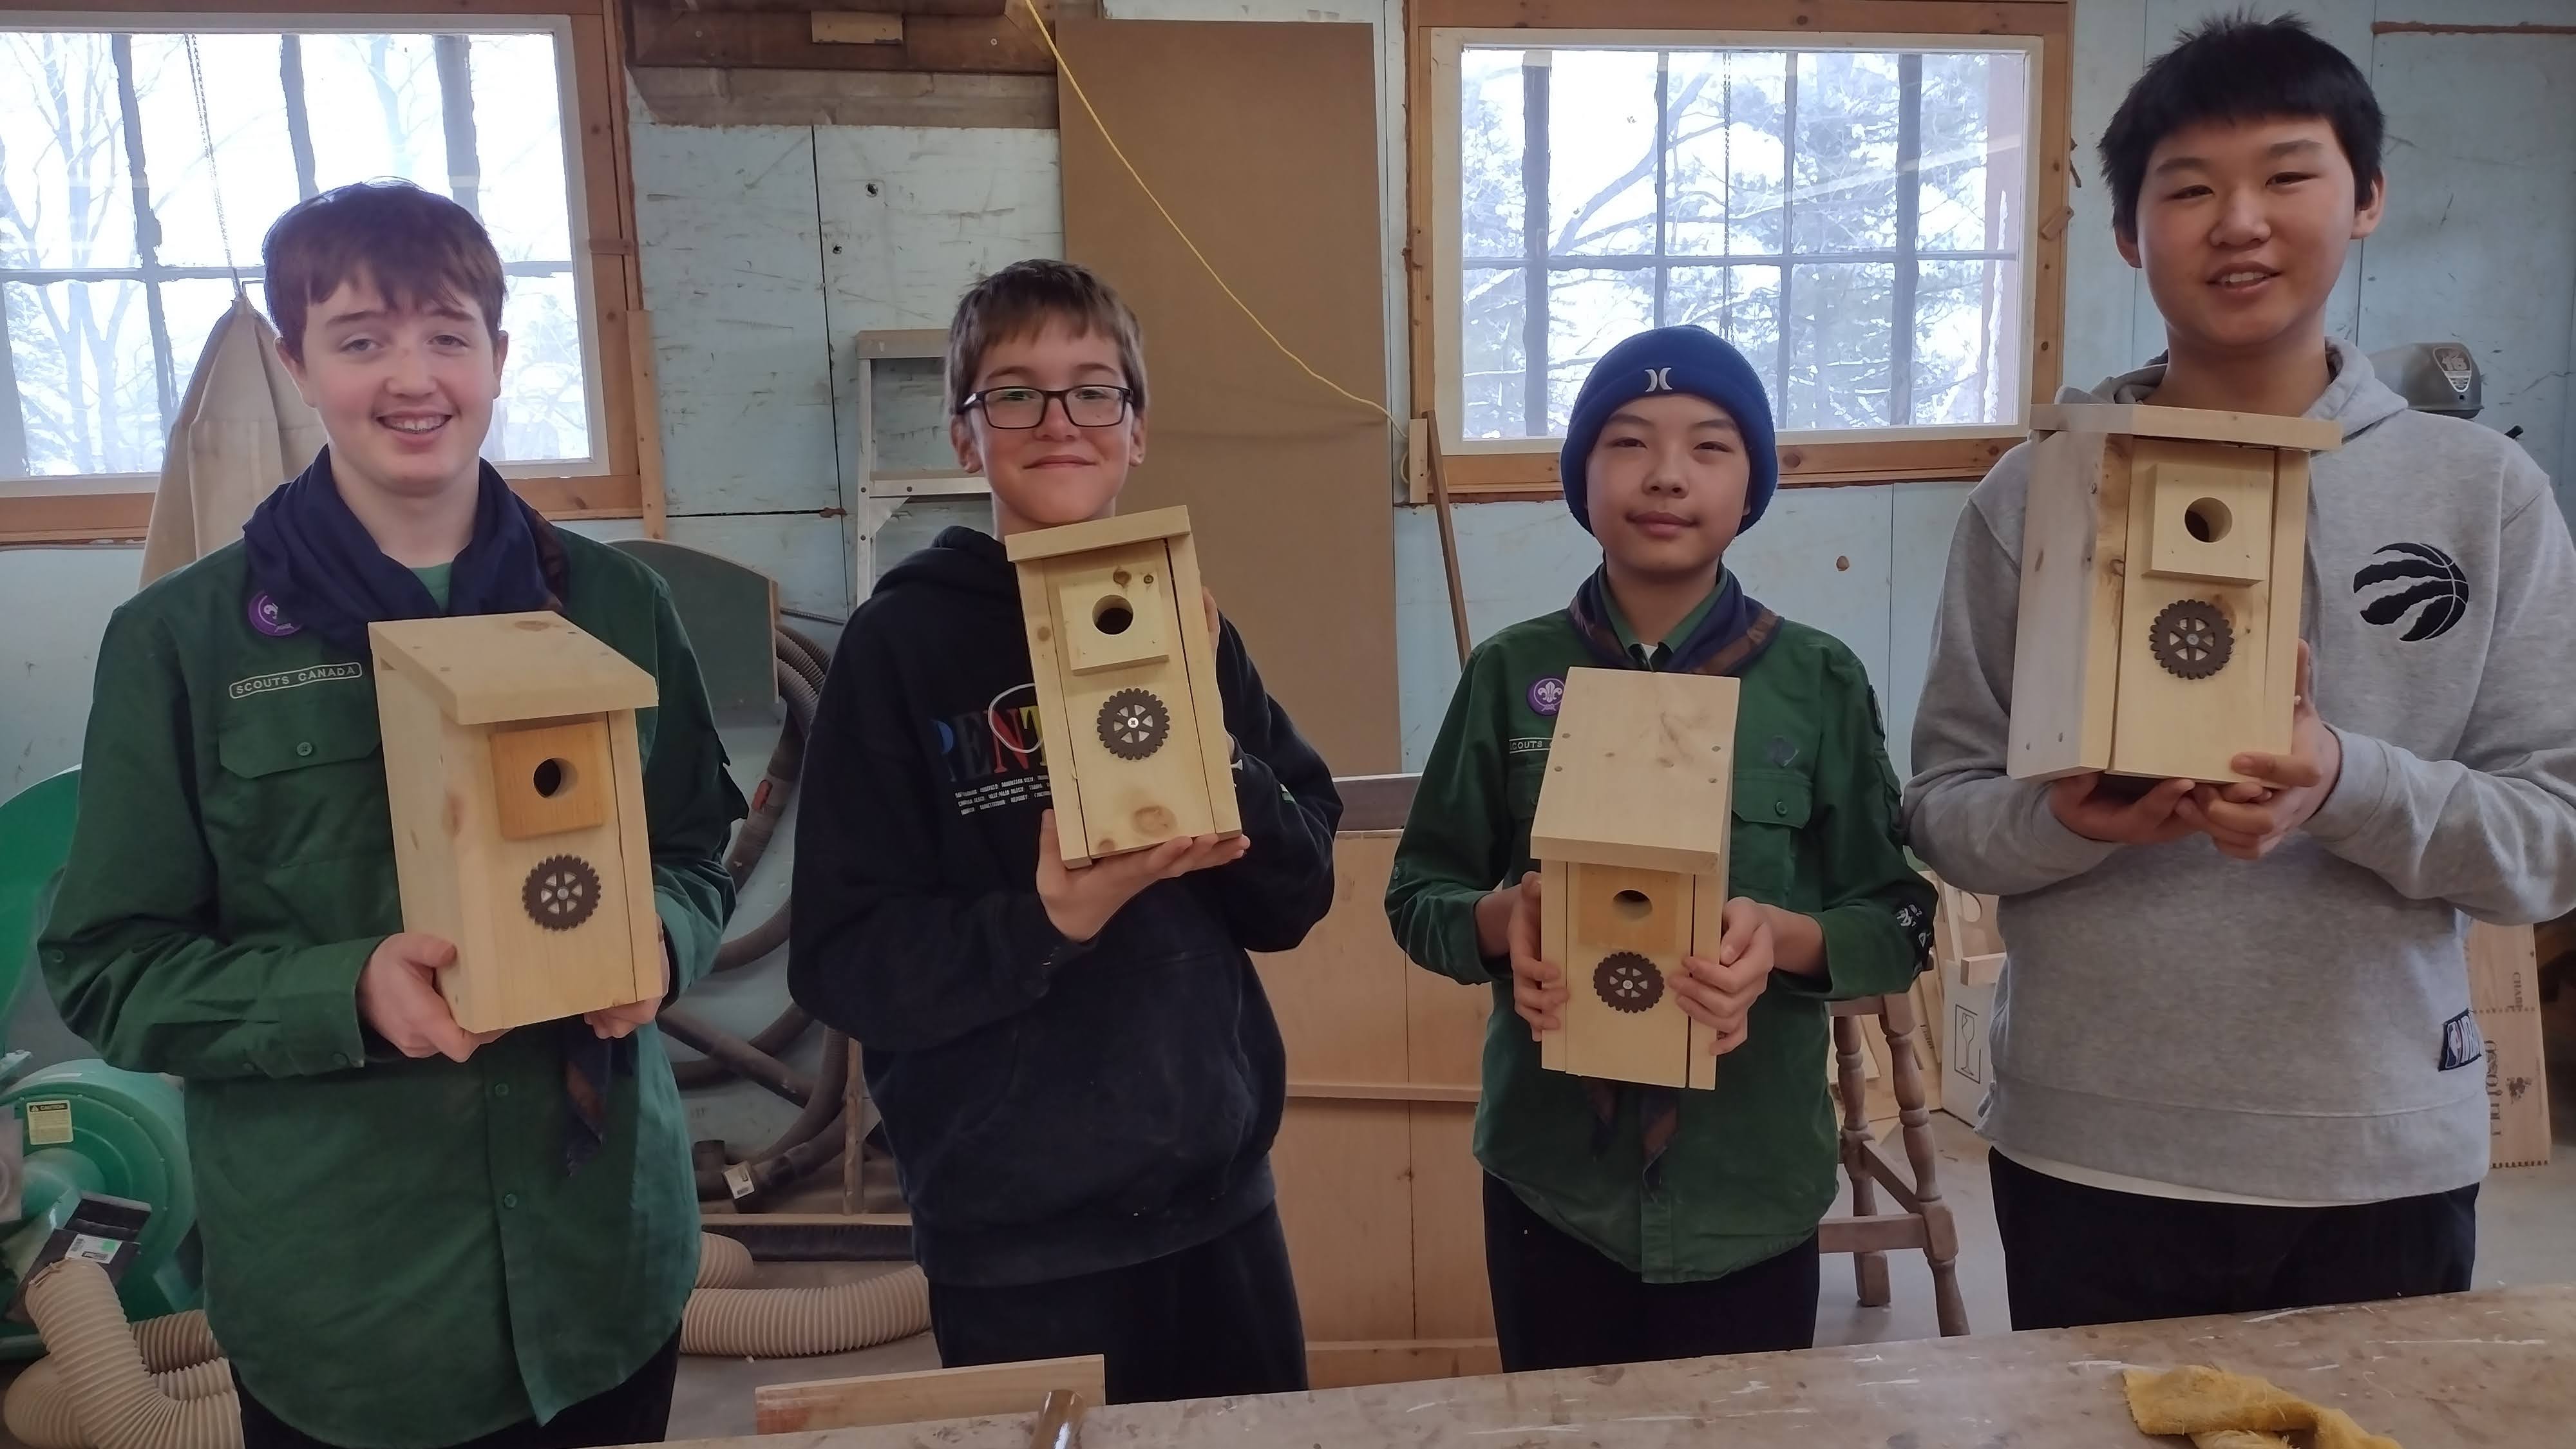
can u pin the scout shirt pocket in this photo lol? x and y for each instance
(1771, 807)
(296, 806)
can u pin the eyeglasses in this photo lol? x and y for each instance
(1092, 405)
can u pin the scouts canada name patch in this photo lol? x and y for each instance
(290, 678)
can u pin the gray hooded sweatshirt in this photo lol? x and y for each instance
(2293, 1028)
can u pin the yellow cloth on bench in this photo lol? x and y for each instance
(2221, 1410)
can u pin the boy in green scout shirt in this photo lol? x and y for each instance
(413, 1236)
(1627, 1223)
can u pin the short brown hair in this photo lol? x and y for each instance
(1022, 298)
(413, 246)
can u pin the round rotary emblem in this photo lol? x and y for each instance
(2190, 638)
(561, 892)
(1134, 724)
(1628, 982)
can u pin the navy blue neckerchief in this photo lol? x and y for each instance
(1733, 634)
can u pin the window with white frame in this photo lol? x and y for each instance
(1853, 217)
(127, 211)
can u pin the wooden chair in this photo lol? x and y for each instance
(1923, 1219)
(1053, 1389)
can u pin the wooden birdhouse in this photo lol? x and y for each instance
(1631, 839)
(1136, 748)
(518, 811)
(2162, 556)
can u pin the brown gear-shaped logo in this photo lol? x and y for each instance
(561, 892)
(1627, 982)
(2191, 639)
(1134, 724)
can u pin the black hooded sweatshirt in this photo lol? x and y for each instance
(1054, 1108)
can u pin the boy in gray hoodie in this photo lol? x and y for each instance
(2234, 1063)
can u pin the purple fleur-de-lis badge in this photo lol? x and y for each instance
(269, 619)
(1547, 695)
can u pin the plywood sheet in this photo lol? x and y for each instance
(1341, 995)
(1346, 1205)
(1262, 141)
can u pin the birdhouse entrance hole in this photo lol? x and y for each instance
(1112, 614)
(1632, 905)
(553, 777)
(2208, 520)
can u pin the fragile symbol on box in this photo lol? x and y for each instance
(1968, 1044)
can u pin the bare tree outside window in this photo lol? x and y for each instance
(1853, 220)
(117, 253)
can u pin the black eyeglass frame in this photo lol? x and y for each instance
(1060, 397)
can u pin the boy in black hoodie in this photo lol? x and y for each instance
(1079, 1074)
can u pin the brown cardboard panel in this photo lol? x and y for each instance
(1262, 141)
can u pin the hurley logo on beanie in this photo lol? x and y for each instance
(1685, 359)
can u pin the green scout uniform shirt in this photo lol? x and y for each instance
(1751, 1169)
(394, 1254)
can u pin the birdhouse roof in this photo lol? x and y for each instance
(2142, 420)
(1111, 532)
(495, 668)
(1640, 772)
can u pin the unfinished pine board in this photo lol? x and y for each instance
(1708, 936)
(2504, 972)
(1115, 531)
(2166, 727)
(1016, 1389)
(2495, 1367)
(2066, 642)
(1444, 1021)
(1341, 996)
(2144, 420)
(490, 668)
(1639, 770)
(1451, 1297)
(2290, 475)
(1556, 947)
(1216, 744)
(1620, 1021)
(1345, 1171)
(1346, 1365)
(572, 757)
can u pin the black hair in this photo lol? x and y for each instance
(2239, 68)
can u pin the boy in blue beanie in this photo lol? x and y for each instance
(1626, 1223)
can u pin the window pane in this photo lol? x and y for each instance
(1967, 342)
(86, 390)
(1844, 198)
(1601, 152)
(1588, 313)
(246, 111)
(89, 388)
(1727, 161)
(191, 308)
(1494, 361)
(375, 108)
(518, 140)
(1740, 304)
(1493, 137)
(1973, 114)
(543, 412)
(65, 200)
(1839, 345)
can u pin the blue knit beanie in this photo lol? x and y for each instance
(1686, 359)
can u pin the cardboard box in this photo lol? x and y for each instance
(2517, 1088)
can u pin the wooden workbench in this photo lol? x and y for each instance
(2489, 1368)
